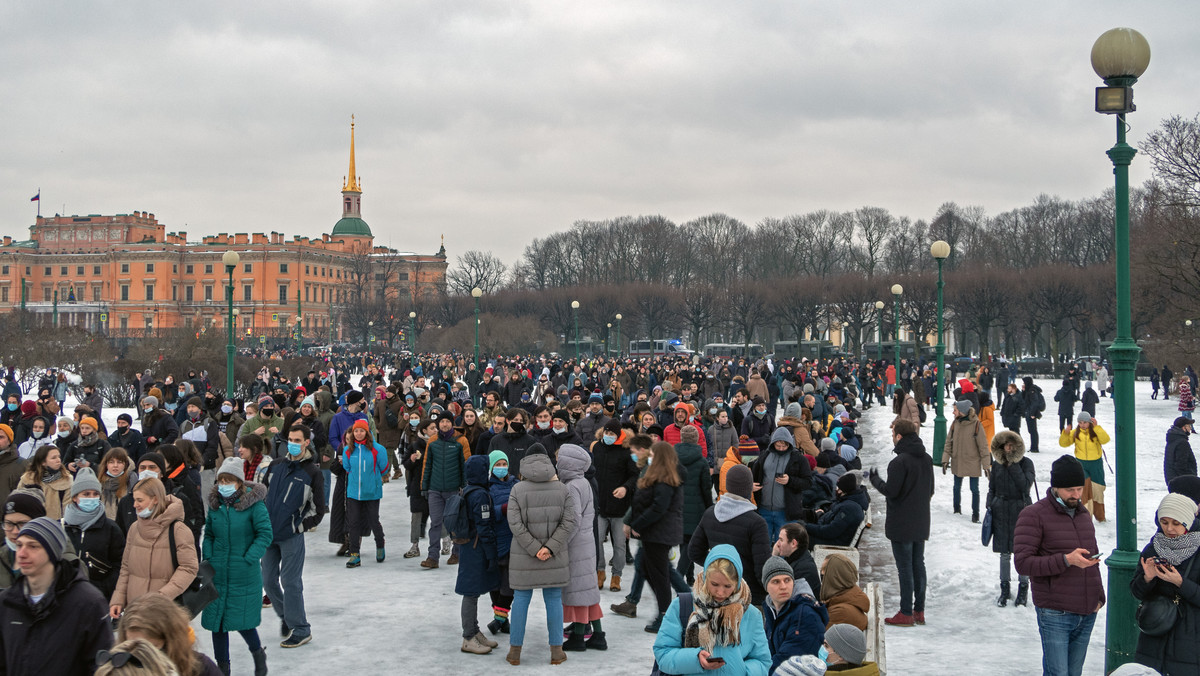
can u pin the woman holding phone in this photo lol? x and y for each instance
(1168, 569)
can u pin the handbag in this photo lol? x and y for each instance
(986, 533)
(203, 590)
(1157, 615)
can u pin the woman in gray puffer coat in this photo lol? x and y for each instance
(581, 598)
(541, 515)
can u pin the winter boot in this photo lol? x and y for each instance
(900, 620)
(1002, 601)
(514, 655)
(919, 618)
(1022, 595)
(575, 643)
(626, 608)
(472, 645)
(958, 510)
(429, 563)
(485, 640)
(224, 667)
(387, 478)
(557, 656)
(413, 552)
(380, 555)
(615, 583)
(974, 517)
(1098, 511)
(260, 661)
(652, 628)
(453, 560)
(600, 577)
(355, 561)
(597, 641)
(498, 626)
(266, 601)
(344, 550)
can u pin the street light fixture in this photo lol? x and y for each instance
(230, 259)
(618, 333)
(940, 252)
(896, 291)
(879, 324)
(1119, 57)
(575, 312)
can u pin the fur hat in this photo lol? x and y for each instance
(775, 566)
(739, 480)
(1067, 472)
(1178, 507)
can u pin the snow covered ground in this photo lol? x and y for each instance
(397, 616)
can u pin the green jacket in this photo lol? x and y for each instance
(255, 421)
(443, 463)
(235, 539)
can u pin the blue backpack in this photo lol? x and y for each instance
(457, 521)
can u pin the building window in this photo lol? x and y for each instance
(48, 294)
(124, 292)
(189, 269)
(380, 276)
(306, 269)
(3, 294)
(149, 268)
(208, 268)
(247, 293)
(403, 276)
(283, 294)
(174, 292)
(208, 289)
(79, 270)
(174, 268)
(95, 269)
(149, 292)
(28, 270)
(305, 293)
(247, 268)
(189, 294)
(283, 268)
(62, 270)
(95, 294)
(49, 271)
(378, 294)
(124, 323)
(4, 270)
(322, 294)
(124, 268)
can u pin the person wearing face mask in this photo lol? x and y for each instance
(148, 563)
(389, 424)
(237, 532)
(366, 465)
(229, 422)
(442, 476)
(11, 413)
(97, 539)
(45, 472)
(616, 479)
(500, 483)
(65, 433)
(515, 441)
(12, 465)
(158, 427)
(759, 425)
(560, 433)
(128, 438)
(414, 439)
(844, 651)
(266, 423)
(88, 449)
(589, 425)
(198, 428)
(39, 434)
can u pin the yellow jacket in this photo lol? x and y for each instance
(1085, 447)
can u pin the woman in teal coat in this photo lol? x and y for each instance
(237, 533)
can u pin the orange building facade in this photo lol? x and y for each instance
(125, 274)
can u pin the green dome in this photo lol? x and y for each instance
(356, 227)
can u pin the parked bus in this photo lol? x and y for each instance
(651, 348)
(808, 349)
(727, 350)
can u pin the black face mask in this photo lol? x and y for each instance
(268, 412)
(122, 429)
(517, 427)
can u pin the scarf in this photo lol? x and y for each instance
(74, 516)
(110, 490)
(1176, 550)
(89, 439)
(252, 466)
(49, 476)
(714, 623)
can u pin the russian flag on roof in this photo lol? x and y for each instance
(37, 197)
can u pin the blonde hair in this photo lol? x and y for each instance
(161, 619)
(153, 661)
(153, 488)
(724, 567)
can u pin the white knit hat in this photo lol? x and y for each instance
(1178, 507)
(801, 665)
(233, 467)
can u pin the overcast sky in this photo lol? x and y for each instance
(494, 121)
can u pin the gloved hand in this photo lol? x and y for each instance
(945, 466)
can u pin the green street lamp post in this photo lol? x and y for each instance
(896, 291)
(56, 308)
(1119, 57)
(476, 293)
(606, 333)
(940, 252)
(412, 333)
(575, 312)
(619, 350)
(230, 259)
(879, 325)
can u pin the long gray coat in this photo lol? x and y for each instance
(541, 513)
(573, 461)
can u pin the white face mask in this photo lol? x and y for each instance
(147, 474)
(543, 424)
(145, 513)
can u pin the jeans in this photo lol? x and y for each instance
(1031, 423)
(775, 519)
(1065, 639)
(890, 389)
(284, 564)
(220, 641)
(613, 527)
(552, 597)
(437, 513)
(327, 487)
(639, 579)
(1186, 414)
(362, 516)
(470, 616)
(207, 478)
(910, 566)
(1006, 570)
(958, 482)
(416, 528)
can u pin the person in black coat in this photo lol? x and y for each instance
(734, 521)
(184, 488)
(909, 490)
(158, 427)
(758, 424)
(1035, 405)
(128, 438)
(98, 540)
(656, 518)
(838, 525)
(616, 481)
(515, 441)
(1013, 409)
(413, 442)
(560, 434)
(1010, 478)
(1090, 399)
(1169, 568)
(1065, 396)
(1178, 459)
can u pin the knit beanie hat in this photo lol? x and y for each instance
(1178, 507)
(1084, 417)
(126, 417)
(1186, 485)
(150, 401)
(561, 414)
(156, 458)
(85, 480)
(793, 410)
(802, 665)
(689, 434)
(848, 483)
(50, 534)
(28, 408)
(848, 641)
(310, 401)
(25, 501)
(775, 566)
(963, 406)
(494, 457)
(157, 394)
(828, 444)
(747, 448)
(7, 431)
(596, 398)
(1133, 669)
(1067, 472)
(91, 422)
(739, 480)
(267, 402)
(234, 467)
(361, 423)
(353, 397)
(808, 388)
(197, 402)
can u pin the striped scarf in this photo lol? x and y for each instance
(714, 623)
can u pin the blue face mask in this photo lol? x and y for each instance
(295, 449)
(12, 406)
(226, 490)
(413, 423)
(823, 655)
(500, 472)
(633, 457)
(89, 505)
(610, 439)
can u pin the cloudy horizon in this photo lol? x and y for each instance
(494, 123)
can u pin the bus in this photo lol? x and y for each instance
(727, 350)
(653, 348)
(807, 349)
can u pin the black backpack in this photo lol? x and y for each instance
(685, 612)
(457, 520)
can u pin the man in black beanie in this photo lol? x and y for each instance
(1055, 545)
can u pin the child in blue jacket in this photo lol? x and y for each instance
(366, 463)
(478, 559)
(500, 483)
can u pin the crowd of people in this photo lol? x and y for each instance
(560, 476)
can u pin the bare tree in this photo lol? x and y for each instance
(698, 309)
(981, 299)
(851, 300)
(872, 226)
(1174, 150)
(477, 269)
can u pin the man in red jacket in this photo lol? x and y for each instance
(1055, 542)
(684, 416)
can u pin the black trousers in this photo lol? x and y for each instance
(362, 516)
(656, 563)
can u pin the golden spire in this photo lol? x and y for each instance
(351, 184)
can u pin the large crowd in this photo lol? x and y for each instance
(568, 477)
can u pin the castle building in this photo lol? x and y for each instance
(124, 275)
